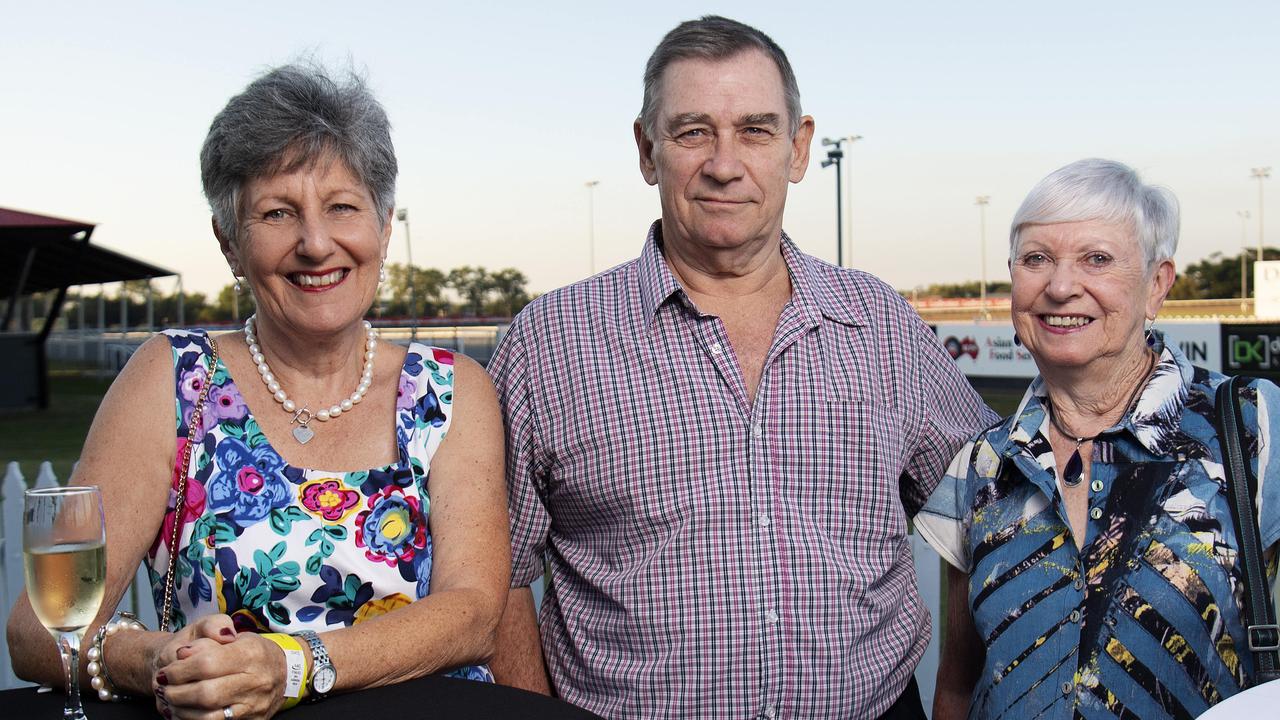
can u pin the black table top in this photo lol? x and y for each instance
(438, 698)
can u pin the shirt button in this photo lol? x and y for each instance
(1096, 486)
(1067, 688)
(1079, 583)
(1096, 513)
(770, 617)
(716, 349)
(757, 431)
(763, 520)
(1075, 616)
(771, 712)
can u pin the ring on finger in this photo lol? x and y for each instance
(227, 714)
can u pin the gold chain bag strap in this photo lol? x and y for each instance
(180, 508)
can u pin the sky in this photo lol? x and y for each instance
(502, 112)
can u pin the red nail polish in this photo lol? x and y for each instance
(161, 678)
(227, 632)
(167, 713)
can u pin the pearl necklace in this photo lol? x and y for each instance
(304, 415)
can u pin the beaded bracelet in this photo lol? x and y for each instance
(99, 678)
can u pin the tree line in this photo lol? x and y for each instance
(969, 289)
(471, 291)
(1216, 277)
(463, 292)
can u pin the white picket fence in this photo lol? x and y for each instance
(137, 598)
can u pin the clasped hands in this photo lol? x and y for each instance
(207, 666)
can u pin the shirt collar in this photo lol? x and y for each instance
(813, 293)
(657, 282)
(814, 289)
(1154, 420)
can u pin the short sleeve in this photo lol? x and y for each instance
(530, 521)
(953, 413)
(944, 520)
(1267, 461)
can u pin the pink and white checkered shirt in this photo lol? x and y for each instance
(710, 556)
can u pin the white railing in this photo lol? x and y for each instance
(138, 598)
(109, 351)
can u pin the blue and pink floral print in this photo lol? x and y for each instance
(281, 548)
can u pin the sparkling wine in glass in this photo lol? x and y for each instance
(64, 550)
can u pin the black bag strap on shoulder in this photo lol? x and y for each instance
(1258, 613)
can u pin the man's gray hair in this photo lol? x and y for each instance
(1107, 191)
(288, 119)
(712, 37)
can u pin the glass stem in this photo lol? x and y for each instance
(69, 649)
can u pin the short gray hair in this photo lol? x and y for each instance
(291, 117)
(1108, 191)
(712, 37)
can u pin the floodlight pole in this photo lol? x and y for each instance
(848, 193)
(1244, 255)
(1260, 174)
(591, 225)
(982, 202)
(403, 216)
(834, 156)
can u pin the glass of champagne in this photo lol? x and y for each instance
(64, 549)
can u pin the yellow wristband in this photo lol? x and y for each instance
(295, 684)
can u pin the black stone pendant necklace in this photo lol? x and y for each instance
(1073, 473)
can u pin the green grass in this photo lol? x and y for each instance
(1004, 402)
(56, 434)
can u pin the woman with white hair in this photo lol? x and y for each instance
(1095, 567)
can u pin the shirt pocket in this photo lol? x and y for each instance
(859, 448)
(852, 369)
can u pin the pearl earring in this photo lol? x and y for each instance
(235, 272)
(382, 271)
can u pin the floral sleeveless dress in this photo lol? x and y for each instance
(281, 548)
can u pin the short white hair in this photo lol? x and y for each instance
(1107, 191)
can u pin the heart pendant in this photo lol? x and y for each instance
(303, 434)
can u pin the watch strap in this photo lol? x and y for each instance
(319, 660)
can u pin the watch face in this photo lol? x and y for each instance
(323, 681)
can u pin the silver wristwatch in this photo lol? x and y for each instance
(322, 673)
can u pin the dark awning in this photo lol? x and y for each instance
(43, 253)
(59, 264)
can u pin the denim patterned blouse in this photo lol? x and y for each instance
(281, 548)
(1144, 622)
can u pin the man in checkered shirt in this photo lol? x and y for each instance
(714, 449)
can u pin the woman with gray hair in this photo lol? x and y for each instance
(308, 525)
(1095, 567)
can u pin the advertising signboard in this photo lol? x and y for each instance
(1201, 342)
(988, 350)
(1251, 350)
(1266, 283)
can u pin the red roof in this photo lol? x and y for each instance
(17, 218)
